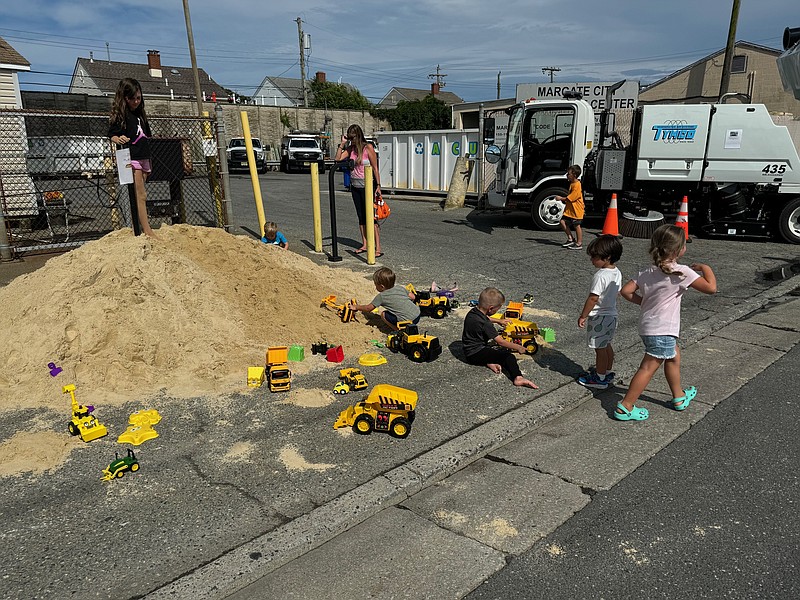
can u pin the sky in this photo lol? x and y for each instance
(377, 45)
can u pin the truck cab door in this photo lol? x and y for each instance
(510, 159)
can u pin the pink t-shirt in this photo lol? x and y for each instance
(661, 299)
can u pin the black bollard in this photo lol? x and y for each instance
(337, 167)
(137, 229)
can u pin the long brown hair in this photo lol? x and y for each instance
(666, 245)
(127, 89)
(357, 139)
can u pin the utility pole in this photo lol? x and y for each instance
(551, 70)
(195, 72)
(438, 76)
(498, 84)
(724, 81)
(302, 60)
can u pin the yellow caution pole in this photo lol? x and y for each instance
(370, 228)
(251, 162)
(315, 207)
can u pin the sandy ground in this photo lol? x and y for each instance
(126, 317)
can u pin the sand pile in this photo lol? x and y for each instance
(126, 317)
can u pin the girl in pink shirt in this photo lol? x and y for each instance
(658, 290)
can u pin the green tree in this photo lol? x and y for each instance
(336, 96)
(428, 113)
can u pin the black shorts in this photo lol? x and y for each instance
(572, 223)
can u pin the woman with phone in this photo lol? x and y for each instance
(356, 147)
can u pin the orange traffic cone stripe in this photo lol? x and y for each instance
(611, 224)
(682, 220)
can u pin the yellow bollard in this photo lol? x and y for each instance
(251, 162)
(315, 207)
(370, 228)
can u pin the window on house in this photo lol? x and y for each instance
(739, 63)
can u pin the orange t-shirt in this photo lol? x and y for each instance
(575, 208)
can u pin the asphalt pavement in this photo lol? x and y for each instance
(200, 520)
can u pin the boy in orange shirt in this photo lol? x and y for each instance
(574, 211)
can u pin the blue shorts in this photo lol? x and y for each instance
(392, 318)
(662, 347)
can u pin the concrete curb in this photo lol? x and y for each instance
(249, 562)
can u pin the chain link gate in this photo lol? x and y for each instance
(59, 186)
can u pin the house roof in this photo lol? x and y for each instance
(291, 88)
(106, 75)
(411, 94)
(741, 44)
(9, 56)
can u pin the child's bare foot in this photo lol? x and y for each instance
(495, 368)
(522, 382)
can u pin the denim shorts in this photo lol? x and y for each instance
(660, 346)
(392, 318)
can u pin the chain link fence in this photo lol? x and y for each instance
(59, 183)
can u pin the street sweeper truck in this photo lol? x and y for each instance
(739, 171)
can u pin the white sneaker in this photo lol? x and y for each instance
(569, 244)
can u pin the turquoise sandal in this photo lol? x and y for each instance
(635, 414)
(683, 402)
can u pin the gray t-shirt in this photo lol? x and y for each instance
(396, 301)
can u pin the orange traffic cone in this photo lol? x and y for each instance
(611, 225)
(682, 220)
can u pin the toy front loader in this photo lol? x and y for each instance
(345, 313)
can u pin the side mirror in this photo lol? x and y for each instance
(488, 130)
(492, 154)
(267, 148)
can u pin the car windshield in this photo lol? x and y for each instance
(303, 144)
(239, 143)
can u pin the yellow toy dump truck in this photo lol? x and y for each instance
(518, 331)
(388, 408)
(429, 303)
(279, 377)
(350, 379)
(345, 313)
(419, 347)
(83, 422)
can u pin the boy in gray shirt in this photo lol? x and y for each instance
(396, 301)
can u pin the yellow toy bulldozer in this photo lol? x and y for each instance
(518, 331)
(83, 422)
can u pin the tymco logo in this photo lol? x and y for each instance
(674, 132)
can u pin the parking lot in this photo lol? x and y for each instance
(74, 535)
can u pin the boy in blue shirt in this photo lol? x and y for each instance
(273, 236)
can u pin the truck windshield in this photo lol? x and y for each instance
(303, 144)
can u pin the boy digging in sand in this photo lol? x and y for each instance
(479, 333)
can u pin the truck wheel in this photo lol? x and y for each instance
(135, 467)
(73, 430)
(546, 211)
(400, 428)
(417, 353)
(789, 221)
(439, 313)
(321, 168)
(532, 347)
(120, 474)
(391, 343)
(263, 168)
(363, 424)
